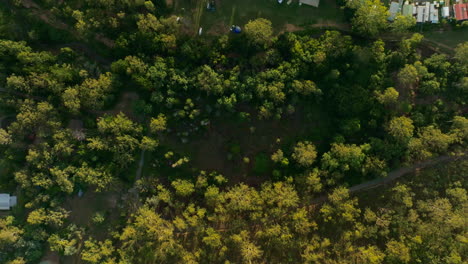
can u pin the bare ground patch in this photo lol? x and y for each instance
(125, 105)
(214, 149)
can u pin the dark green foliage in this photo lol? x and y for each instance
(225, 149)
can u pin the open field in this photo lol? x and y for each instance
(229, 12)
(449, 38)
(227, 141)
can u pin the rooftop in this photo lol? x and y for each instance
(7, 201)
(461, 11)
(4, 201)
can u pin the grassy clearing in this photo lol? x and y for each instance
(449, 38)
(239, 12)
(227, 142)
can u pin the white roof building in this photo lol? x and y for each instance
(445, 11)
(420, 16)
(434, 14)
(394, 9)
(426, 14)
(7, 201)
(314, 3)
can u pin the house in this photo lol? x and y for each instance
(7, 201)
(407, 10)
(445, 11)
(394, 9)
(427, 12)
(461, 11)
(314, 3)
(433, 14)
(420, 18)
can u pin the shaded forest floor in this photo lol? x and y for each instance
(226, 142)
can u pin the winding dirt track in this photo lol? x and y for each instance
(395, 174)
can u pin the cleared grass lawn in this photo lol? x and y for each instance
(449, 38)
(239, 12)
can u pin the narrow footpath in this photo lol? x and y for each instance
(395, 174)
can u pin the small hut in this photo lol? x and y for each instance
(7, 201)
(314, 3)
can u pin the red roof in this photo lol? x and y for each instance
(461, 11)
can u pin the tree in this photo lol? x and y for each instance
(210, 81)
(434, 139)
(158, 124)
(93, 92)
(149, 144)
(388, 97)
(248, 250)
(183, 187)
(408, 76)
(370, 18)
(259, 32)
(19, 260)
(118, 135)
(403, 23)
(370, 255)
(9, 233)
(306, 87)
(39, 118)
(461, 53)
(341, 208)
(148, 238)
(459, 129)
(148, 23)
(97, 251)
(278, 157)
(343, 158)
(51, 217)
(18, 83)
(304, 153)
(397, 252)
(430, 140)
(98, 177)
(71, 100)
(401, 128)
(5, 138)
(242, 198)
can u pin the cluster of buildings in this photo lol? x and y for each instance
(426, 11)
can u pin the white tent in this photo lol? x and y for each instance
(7, 201)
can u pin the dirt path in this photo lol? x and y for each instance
(49, 18)
(393, 175)
(140, 165)
(3, 90)
(438, 44)
(88, 52)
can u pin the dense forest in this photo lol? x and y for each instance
(130, 139)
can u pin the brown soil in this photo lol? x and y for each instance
(47, 17)
(218, 29)
(125, 105)
(210, 151)
(292, 28)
